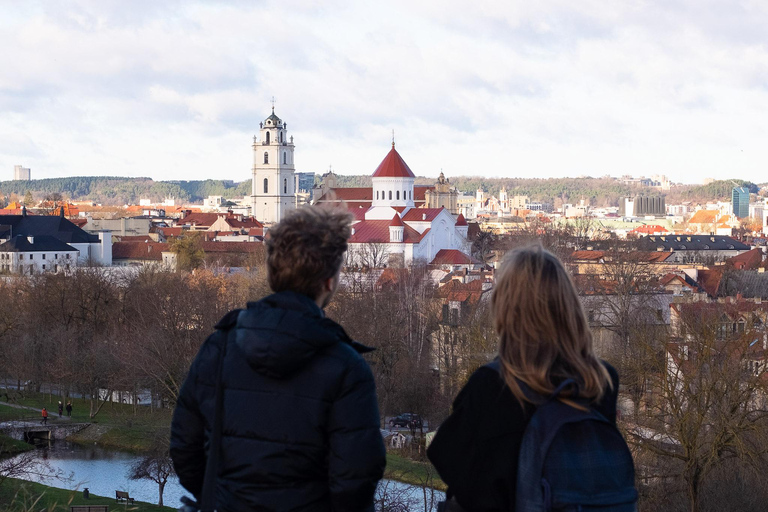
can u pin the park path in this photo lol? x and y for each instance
(51, 414)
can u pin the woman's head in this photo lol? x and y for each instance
(544, 336)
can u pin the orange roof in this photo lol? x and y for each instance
(393, 166)
(650, 230)
(704, 217)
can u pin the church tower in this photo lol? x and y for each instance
(273, 190)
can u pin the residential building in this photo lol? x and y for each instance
(27, 255)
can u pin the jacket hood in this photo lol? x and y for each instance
(283, 332)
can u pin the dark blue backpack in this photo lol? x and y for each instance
(572, 460)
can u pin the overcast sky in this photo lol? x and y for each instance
(176, 90)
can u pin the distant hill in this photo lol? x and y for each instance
(118, 191)
(114, 190)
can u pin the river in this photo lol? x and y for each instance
(105, 471)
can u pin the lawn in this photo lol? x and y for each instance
(23, 496)
(412, 472)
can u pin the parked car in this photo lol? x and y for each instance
(407, 420)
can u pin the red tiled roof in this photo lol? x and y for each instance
(171, 231)
(79, 222)
(136, 238)
(247, 222)
(587, 255)
(422, 214)
(453, 257)
(650, 230)
(199, 219)
(461, 221)
(359, 213)
(709, 280)
(377, 231)
(237, 247)
(749, 260)
(393, 166)
(138, 250)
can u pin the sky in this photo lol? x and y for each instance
(175, 90)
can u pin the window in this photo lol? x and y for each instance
(397, 195)
(43, 255)
(30, 256)
(390, 195)
(266, 157)
(21, 256)
(267, 139)
(285, 157)
(377, 194)
(55, 256)
(281, 139)
(410, 195)
(285, 186)
(403, 194)
(68, 255)
(43, 267)
(266, 185)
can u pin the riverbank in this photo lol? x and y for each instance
(22, 496)
(127, 428)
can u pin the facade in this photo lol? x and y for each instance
(21, 173)
(642, 206)
(28, 255)
(740, 202)
(273, 191)
(443, 195)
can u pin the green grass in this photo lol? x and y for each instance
(412, 472)
(23, 496)
(10, 446)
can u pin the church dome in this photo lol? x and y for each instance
(273, 120)
(393, 166)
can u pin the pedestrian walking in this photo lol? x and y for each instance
(45, 416)
(61, 409)
(69, 409)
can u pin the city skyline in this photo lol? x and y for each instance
(176, 91)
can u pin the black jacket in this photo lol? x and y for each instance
(301, 420)
(476, 449)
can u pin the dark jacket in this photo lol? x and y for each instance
(301, 420)
(476, 449)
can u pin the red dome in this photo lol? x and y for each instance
(393, 166)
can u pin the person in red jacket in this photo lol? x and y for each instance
(45, 416)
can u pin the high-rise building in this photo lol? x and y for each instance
(740, 202)
(273, 190)
(22, 173)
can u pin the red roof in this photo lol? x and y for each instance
(396, 221)
(377, 231)
(749, 260)
(171, 231)
(199, 219)
(422, 214)
(393, 166)
(709, 280)
(453, 257)
(138, 250)
(461, 221)
(237, 247)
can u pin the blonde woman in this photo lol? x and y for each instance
(544, 339)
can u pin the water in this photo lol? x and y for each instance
(104, 471)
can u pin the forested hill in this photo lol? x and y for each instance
(118, 191)
(115, 190)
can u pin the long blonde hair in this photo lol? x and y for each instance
(544, 336)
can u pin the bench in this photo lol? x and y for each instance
(89, 508)
(122, 495)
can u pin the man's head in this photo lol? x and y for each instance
(306, 250)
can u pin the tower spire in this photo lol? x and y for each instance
(393, 139)
(273, 104)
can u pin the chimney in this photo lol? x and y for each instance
(423, 216)
(31, 239)
(353, 230)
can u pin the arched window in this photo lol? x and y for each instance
(409, 195)
(285, 156)
(266, 157)
(266, 185)
(285, 186)
(404, 195)
(281, 136)
(267, 139)
(377, 195)
(397, 195)
(390, 195)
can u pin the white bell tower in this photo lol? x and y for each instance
(273, 192)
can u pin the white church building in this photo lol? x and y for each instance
(393, 231)
(273, 190)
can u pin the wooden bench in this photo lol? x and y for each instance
(89, 508)
(122, 495)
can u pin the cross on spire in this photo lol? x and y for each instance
(273, 104)
(393, 138)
